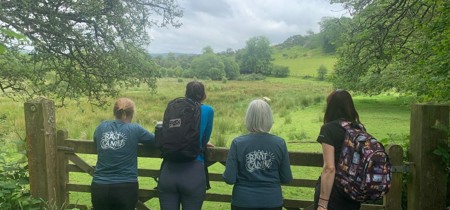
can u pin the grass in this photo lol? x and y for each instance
(303, 62)
(297, 105)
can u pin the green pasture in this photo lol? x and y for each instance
(303, 62)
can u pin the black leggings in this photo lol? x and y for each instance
(240, 208)
(338, 199)
(123, 196)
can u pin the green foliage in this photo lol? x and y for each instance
(444, 154)
(14, 192)
(231, 68)
(331, 32)
(208, 65)
(322, 72)
(280, 71)
(443, 151)
(296, 40)
(251, 77)
(188, 73)
(80, 48)
(14, 181)
(174, 72)
(11, 39)
(396, 45)
(256, 57)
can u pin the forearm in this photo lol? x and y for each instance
(326, 185)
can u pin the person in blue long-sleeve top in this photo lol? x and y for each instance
(258, 163)
(184, 184)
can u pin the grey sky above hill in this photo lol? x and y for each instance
(223, 24)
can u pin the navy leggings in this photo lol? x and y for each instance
(123, 196)
(182, 184)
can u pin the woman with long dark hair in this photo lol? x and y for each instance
(327, 195)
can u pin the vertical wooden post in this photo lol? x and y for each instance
(393, 199)
(427, 184)
(63, 173)
(41, 148)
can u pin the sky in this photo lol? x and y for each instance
(228, 24)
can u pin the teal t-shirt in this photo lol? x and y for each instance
(117, 144)
(257, 164)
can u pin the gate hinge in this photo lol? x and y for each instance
(402, 168)
(66, 149)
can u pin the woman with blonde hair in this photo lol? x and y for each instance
(257, 163)
(115, 184)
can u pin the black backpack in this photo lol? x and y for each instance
(179, 136)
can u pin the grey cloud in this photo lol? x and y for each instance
(223, 24)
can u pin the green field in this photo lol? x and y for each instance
(302, 62)
(297, 105)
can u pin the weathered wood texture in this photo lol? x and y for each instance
(63, 173)
(392, 200)
(41, 148)
(215, 155)
(427, 184)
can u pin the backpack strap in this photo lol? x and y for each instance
(347, 125)
(205, 165)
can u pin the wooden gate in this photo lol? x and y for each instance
(52, 156)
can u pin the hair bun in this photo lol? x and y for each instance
(124, 104)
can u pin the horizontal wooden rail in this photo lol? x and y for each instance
(215, 155)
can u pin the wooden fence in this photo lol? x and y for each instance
(52, 156)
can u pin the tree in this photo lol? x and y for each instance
(231, 68)
(207, 49)
(256, 57)
(331, 32)
(208, 66)
(80, 48)
(399, 45)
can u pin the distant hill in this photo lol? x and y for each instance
(165, 55)
(303, 55)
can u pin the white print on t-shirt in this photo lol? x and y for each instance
(258, 160)
(113, 140)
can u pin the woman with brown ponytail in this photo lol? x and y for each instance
(115, 184)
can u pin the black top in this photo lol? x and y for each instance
(333, 133)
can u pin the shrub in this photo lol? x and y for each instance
(251, 77)
(280, 71)
(322, 72)
(14, 180)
